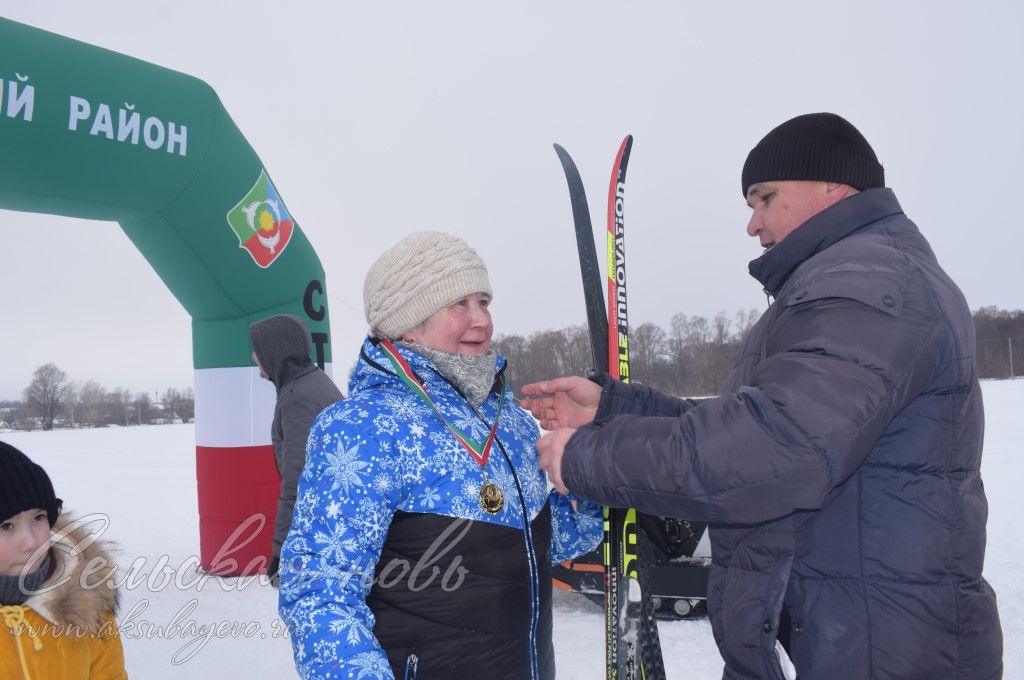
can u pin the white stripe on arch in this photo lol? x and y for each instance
(234, 406)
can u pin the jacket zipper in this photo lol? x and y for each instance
(532, 559)
(528, 534)
(411, 664)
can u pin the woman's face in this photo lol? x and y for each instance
(20, 539)
(463, 327)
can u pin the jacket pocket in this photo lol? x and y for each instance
(750, 608)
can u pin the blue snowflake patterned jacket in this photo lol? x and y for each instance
(383, 459)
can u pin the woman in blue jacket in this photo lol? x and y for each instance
(424, 533)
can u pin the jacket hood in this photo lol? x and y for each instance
(81, 588)
(819, 232)
(282, 343)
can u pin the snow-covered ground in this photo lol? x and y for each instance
(175, 625)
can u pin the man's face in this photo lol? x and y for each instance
(263, 374)
(782, 206)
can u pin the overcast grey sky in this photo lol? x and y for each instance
(375, 119)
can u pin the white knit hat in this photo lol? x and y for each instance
(422, 273)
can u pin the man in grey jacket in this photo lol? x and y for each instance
(840, 468)
(281, 348)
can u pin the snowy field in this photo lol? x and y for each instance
(177, 625)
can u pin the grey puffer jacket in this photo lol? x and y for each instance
(839, 468)
(282, 344)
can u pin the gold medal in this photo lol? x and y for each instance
(492, 500)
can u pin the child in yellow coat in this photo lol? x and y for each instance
(57, 589)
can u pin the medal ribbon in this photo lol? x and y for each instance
(480, 451)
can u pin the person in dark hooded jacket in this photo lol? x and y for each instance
(281, 348)
(840, 468)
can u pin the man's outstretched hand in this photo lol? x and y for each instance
(562, 402)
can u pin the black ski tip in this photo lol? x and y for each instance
(569, 166)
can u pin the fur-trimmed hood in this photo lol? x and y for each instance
(80, 589)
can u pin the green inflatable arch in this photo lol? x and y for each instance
(90, 133)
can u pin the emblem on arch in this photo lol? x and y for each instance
(261, 222)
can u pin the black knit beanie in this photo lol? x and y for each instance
(24, 485)
(819, 147)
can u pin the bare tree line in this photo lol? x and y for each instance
(1000, 336)
(53, 400)
(694, 356)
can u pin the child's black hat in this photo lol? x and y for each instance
(24, 485)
